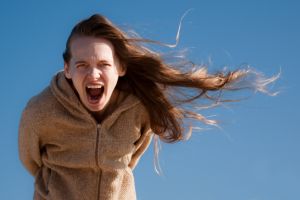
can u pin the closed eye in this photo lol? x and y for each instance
(104, 63)
(81, 65)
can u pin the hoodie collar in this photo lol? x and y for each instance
(66, 96)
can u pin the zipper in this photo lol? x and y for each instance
(97, 160)
(97, 146)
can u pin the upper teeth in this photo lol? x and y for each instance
(94, 86)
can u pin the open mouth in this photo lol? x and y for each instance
(94, 93)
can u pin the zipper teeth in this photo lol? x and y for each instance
(99, 184)
(97, 146)
(97, 160)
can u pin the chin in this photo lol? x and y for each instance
(94, 109)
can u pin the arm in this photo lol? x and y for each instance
(141, 146)
(144, 141)
(29, 148)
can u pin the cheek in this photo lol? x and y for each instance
(77, 80)
(111, 79)
(114, 76)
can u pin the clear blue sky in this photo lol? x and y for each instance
(255, 156)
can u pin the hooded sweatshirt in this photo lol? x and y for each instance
(71, 156)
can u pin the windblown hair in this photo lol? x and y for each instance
(152, 79)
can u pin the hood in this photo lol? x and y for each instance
(66, 96)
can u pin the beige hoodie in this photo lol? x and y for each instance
(71, 156)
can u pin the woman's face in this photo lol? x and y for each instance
(94, 70)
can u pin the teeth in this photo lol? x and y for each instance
(94, 86)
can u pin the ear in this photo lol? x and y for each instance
(67, 71)
(122, 70)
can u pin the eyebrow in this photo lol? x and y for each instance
(80, 61)
(83, 61)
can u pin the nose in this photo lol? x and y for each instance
(94, 73)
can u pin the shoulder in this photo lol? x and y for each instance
(39, 102)
(137, 111)
(37, 107)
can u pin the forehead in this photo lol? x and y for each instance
(91, 48)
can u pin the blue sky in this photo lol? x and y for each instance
(255, 154)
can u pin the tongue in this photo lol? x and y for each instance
(94, 91)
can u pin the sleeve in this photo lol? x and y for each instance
(141, 146)
(29, 148)
(143, 142)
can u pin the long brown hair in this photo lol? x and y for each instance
(152, 79)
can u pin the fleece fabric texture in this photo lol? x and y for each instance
(71, 156)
